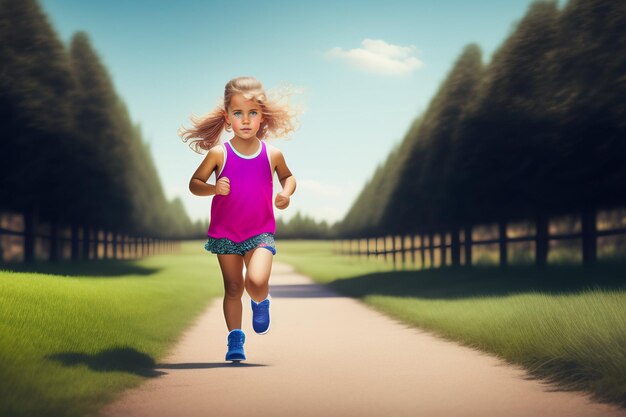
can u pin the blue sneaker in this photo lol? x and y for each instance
(261, 316)
(236, 338)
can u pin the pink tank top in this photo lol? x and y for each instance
(247, 211)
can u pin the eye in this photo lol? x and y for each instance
(237, 113)
(253, 112)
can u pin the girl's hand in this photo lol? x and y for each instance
(282, 201)
(222, 186)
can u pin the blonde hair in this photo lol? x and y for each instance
(279, 116)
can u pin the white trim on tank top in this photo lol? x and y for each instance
(254, 155)
(269, 159)
(267, 151)
(224, 163)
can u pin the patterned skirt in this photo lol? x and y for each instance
(224, 246)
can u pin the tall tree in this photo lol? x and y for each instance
(105, 151)
(421, 196)
(36, 87)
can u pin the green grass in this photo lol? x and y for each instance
(72, 336)
(564, 324)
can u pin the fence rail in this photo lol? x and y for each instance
(24, 242)
(450, 247)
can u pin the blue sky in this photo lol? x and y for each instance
(366, 70)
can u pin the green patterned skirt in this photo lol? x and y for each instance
(224, 246)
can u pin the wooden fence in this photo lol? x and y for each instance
(22, 240)
(585, 232)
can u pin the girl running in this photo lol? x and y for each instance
(242, 224)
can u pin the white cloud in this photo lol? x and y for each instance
(379, 56)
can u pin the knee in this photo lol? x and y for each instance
(254, 282)
(250, 284)
(234, 289)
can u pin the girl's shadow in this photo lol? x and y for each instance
(124, 359)
(130, 360)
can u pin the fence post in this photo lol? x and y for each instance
(468, 245)
(85, 235)
(455, 246)
(589, 230)
(541, 240)
(31, 218)
(115, 236)
(403, 248)
(502, 240)
(423, 250)
(53, 247)
(385, 255)
(374, 249)
(393, 251)
(74, 245)
(384, 248)
(431, 248)
(105, 238)
(443, 242)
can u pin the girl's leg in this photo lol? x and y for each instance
(232, 272)
(258, 268)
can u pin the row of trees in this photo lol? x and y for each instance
(304, 227)
(540, 130)
(69, 150)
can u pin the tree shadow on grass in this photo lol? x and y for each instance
(459, 282)
(124, 359)
(108, 268)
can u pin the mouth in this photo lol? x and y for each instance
(246, 129)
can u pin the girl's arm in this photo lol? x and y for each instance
(286, 178)
(198, 183)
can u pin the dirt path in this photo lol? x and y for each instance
(328, 355)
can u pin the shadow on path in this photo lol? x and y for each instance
(301, 291)
(201, 365)
(130, 360)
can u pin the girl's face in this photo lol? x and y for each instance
(246, 116)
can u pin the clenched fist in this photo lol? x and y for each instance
(282, 201)
(222, 186)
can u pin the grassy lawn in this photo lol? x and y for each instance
(72, 336)
(565, 324)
